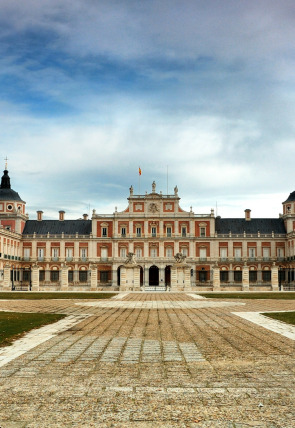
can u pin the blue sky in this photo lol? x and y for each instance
(90, 90)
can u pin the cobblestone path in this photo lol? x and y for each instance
(152, 360)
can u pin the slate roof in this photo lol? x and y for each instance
(255, 225)
(57, 227)
(291, 197)
(9, 195)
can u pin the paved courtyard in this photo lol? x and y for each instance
(151, 360)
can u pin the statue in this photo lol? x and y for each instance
(153, 186)
(131, 190)
(175, 190)
(130, 259)
(180, 258)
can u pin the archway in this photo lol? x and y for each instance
(154, 275)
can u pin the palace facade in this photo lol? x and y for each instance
(152, 245)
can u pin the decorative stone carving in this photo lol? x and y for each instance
(130, 259)
(153, 208)
(180, 258)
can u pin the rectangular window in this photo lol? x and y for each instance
(169, 232)
(83, 253)
(41, 275)
(69, 252)
(223, 253)
(203, 254)
(104, 276)
(40, 252)
(266, 253)
(154, 231)
(280, 252)
(238, 253)
(55, 252)
(104, 232)
(123, 231)
(70, 276)
(266, 275)
(169, 252)
(183, 231)
(153, 252)
(253, 276)
(202, 231)
(123, 252)
(104, 253)
(27, 253)
(138, 232)
(26, 275)
(83, 276)
(252, 253)
(138, 253)
(238, 276)
(184, 251)
(54, 275)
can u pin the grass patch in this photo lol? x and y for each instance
(287, 317)
(13, 324)
(24, 295)
(253, 296)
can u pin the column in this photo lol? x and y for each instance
(64, 277)
(274, 277)
(216, 278)
(114, 276)
(6, 277)
(93, 279)
(187, 278)
(245, 278)
(35, 277)
(146, 276)
(162, 275)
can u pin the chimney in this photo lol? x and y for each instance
(61, 215)
(39, 215)
(247, 214)
(85, 216)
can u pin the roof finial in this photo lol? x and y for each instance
(6, 159)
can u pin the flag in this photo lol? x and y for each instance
(139, 171)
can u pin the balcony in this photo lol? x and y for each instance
(25, 259)
(55, 259)
(266, 259)
(83, 259)
(224, 259)
(40, 259)
(203, 259)
(69, 259)
(252, 259)
(238, 259)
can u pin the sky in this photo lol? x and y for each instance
(198, 93)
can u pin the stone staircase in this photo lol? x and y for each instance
(153, 288)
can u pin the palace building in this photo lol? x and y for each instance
(152, 245)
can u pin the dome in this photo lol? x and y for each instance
(6, 193)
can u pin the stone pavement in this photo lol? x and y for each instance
(151, 360)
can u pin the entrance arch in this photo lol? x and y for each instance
(154, 275)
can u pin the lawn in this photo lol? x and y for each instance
(287, 317)
(24, 295)
(273, 296)
(13, 324)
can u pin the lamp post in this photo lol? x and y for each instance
(12, 279)
(30, 278)
(280, 277)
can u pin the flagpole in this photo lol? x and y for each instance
(139, 174)
(167, 179)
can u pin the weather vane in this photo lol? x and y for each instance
(6, 159)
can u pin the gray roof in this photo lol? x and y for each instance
(9, 195)
(291, 197)
(255, 225)
(57, 227)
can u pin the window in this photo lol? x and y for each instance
(223, 275)
(203, 254)
(54, 275)
(184, 251)
(27, 253)
(26, 275)
(280, 253)
(266, 253)
(153, 252)
(40, 252)
(238, 253)
(104, 276)
(104, 253)
(55, 252)
(83, 276)
(154, 231)
(138, 232)
(169, 232)
(104, 232)
(252, 275)
(169, 252)
(202, 231)
(238, 276)
(123, 252)
(266, 275)
(252, 253)
(138, 253)
(69, 252)
(41, 275)
(123, 231)
(70, 276)
(183, 231)
(202, 276)
(83, 253)
(223, 253)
